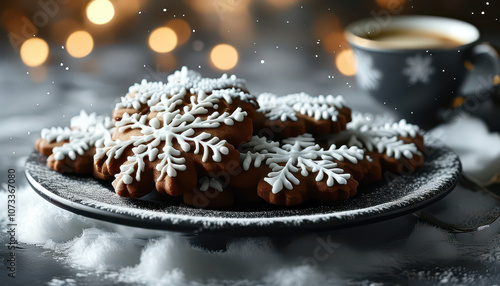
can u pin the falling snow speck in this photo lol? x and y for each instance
(257, 21)
(262, 61)
(277, 47)
(62, 47)
(61, 64)
(140, 12)
(194, 30)
(288, 22)
(164, 10)
(27, 72)
(443, 70)
(316, 56)
(482, 12)
(67, 68)
(199, 67)
(487, 3)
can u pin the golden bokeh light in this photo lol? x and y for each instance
(224, 56)
(162, 40)
(34, 52)
(334, 42)
(79, 44)
(392, 5)
(166, 61)
(181, 29)
(345, 62)
(100, 11)
(61, 30)
(281, 4)
(325, 24)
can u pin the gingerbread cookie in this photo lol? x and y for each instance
(71, 150)
(295, 114)
(397, 145)
(290, 173)
(181, 137)
(141, 97)
(210, 193)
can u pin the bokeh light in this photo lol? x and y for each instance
(61, 30)
(282, 4)
(100, 11)
(392, 5)
(162, 40)
(34, 52)
(166, 61)
(224, 56)
(79, 44)
(181, 29)
(345, 62)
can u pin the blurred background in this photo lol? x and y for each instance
(132, 39)
(60, 56)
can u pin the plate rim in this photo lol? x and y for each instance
(197, 223)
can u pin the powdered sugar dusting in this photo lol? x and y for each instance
(435, 178)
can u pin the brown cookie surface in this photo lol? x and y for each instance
(186, 134)
(397, 146)
(291, 173)
(71, 150)
(295, 114)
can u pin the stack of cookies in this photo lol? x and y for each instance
(211, 142)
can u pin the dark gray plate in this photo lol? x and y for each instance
(394, 197)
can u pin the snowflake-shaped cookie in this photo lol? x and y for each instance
(395, 143)
(295, 114)
(290, 173)
(210, 193)
(142, 96)
(71, 149)
(179, 139)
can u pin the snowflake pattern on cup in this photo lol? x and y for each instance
(368, 76)
(418, 69)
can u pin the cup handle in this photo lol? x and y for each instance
(487, 90)
(488, 85)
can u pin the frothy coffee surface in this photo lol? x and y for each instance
(414, 39)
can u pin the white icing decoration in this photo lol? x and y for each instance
(377, 135)
(174, 121)
(298, 154)
(150, 92)
(286, 107)
(87, 130)
(206, 183)
(230, 93)
(144, 93)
